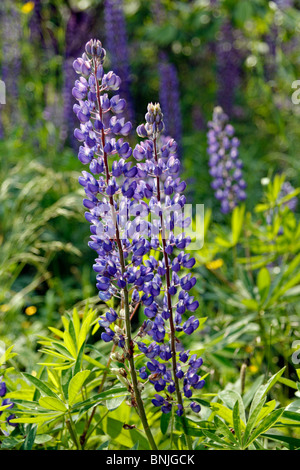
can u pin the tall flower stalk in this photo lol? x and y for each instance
(97, 147)
(224, 162)
(117, 46)
(137, 221)
(228, 67)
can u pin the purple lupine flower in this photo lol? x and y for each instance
(35, 24)
(134, 208)
(225, 164)
(273, 41)
(2, 389)
(287, 189)
(228, 59)
(169, 87)
(9, 418)
(117, 47)
(169, 97)
(270, 63)
(162, 164)
(5, 402)
(283, 4)
(78, 29)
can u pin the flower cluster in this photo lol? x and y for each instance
(136, 212)
(6, 402)
(225, 164)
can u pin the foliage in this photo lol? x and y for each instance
(58, 372)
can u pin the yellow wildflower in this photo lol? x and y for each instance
(30, 310)
(215, 264)
(4, 308)
(27, 7)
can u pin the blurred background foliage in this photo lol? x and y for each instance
(241, 55)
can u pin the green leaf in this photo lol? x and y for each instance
(114, 403)
(164, 422)
(229, 398)
(136, 446)
(36, 419)
(237, 421)
(252, 420)
(52, 404)
(10, 442)
(263, 283)
(78, 363)
(70, 344)
(7, 355)
(218, 439)
(66, 376)
(264, 389)
(221, 427)
(237, 221)
(293, 442)
(248, 396)
(104, 445)
(85, 329)
(223, 412)
(30, 438)
(265, 424)
(41, 386)
(76, 323)
(75, 385)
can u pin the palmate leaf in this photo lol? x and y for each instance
(267, 423)
(221, 427)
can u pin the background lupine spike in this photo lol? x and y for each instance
(229, 61)
(224, 162)
(78, 28)
(117, 46)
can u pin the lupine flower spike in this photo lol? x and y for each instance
(225, 164)
(134, 211)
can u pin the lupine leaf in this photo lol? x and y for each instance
(75, 385)
(41, 386)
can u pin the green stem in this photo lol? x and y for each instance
(72, 430)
